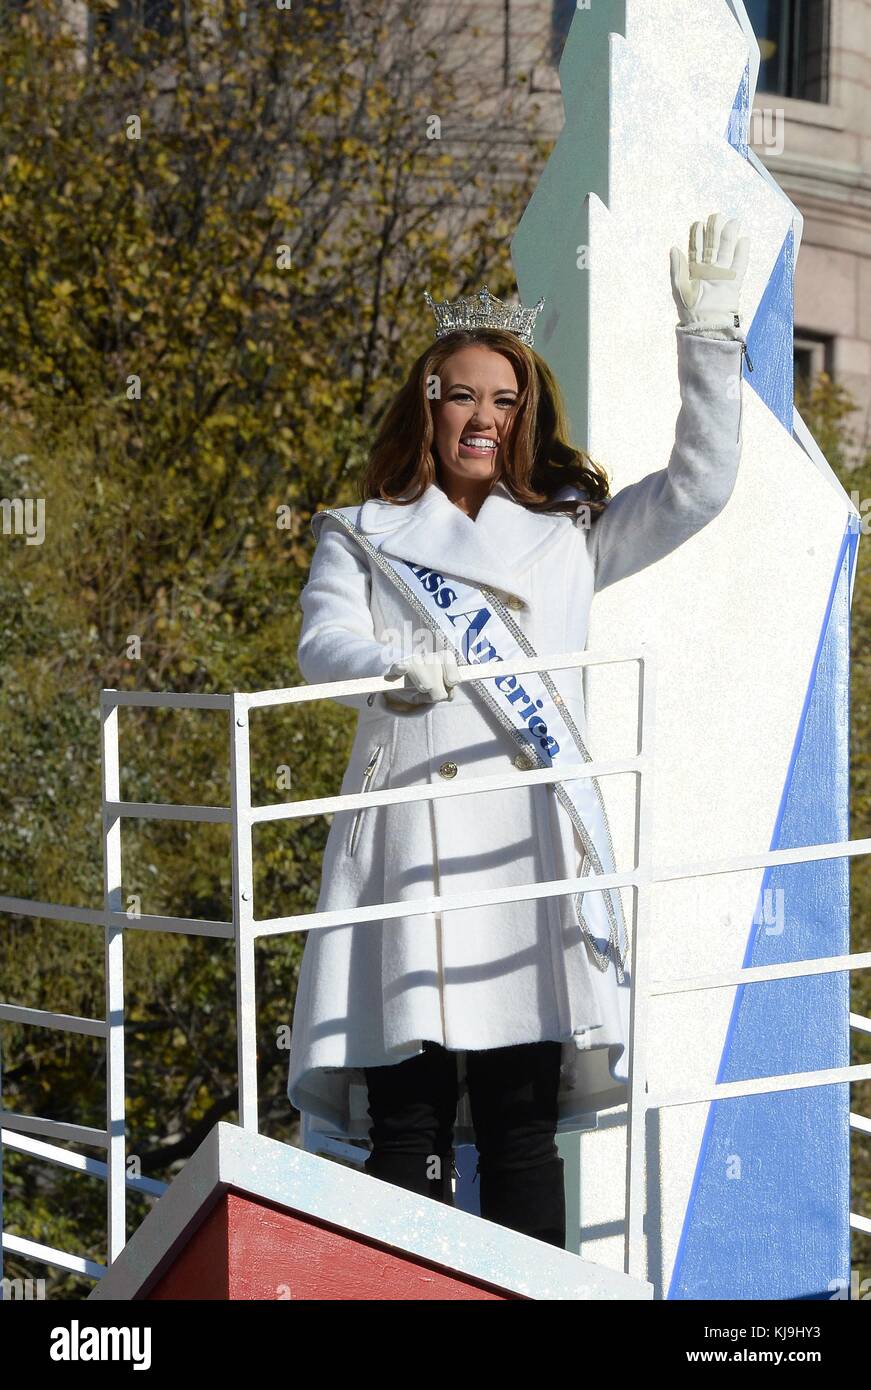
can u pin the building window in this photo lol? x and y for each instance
(811, 354)
(562, 12)
(793, 43)
(793, 46)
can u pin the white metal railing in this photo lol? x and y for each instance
(245, 929)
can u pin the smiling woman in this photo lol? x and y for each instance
(482, 536)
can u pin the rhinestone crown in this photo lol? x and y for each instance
(483, 310)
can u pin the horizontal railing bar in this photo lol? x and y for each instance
(419, 906)
(59, 912)
(188, 926)
(415, 907)
(163, 810)
(273, 926)
(55, 1129)
(164, 699)
(760, 1085)
(41, 1018)
(860, 1223)
(194, 926)
(860, 1122)
(703, 868)
(300, 694)
(431, 791)
(753, 974)
(859, 1021)
(79, 1163)
(46, 1254)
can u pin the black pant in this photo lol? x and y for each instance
(513, 1099)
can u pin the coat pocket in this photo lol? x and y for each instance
(368, 774)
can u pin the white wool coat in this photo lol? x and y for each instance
(370, 993)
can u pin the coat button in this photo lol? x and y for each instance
(514, 602)
(524, 762)
(448, 770)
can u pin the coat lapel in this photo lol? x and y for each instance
(496, 550)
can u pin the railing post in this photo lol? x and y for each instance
(116, 1192)
(243, 910)
(636, 1121)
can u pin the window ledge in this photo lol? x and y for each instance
(818, 113)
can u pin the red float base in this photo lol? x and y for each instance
(253, 1250)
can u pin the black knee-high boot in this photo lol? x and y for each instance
(529, 1200)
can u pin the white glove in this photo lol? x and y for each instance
(707, 289)
(433, 677)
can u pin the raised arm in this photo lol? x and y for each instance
(337, 640)
(650, 518)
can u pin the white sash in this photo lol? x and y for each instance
(530, 708)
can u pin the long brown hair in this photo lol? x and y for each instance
(537, 458)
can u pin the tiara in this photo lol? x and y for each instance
(482, 310)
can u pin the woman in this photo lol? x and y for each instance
(482, 536)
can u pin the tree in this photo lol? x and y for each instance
(215, 242)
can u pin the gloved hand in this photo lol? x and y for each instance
(433, 677)
(707, 289)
